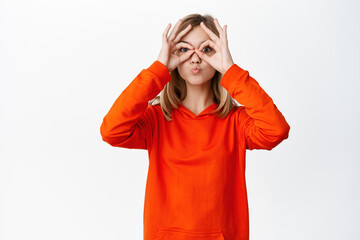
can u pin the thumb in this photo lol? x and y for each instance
(186, 56)
(202, 55)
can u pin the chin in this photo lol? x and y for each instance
(196, 80)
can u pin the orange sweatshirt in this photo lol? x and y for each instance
(195, 187)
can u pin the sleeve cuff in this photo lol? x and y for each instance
(161, 71)
(228, 79)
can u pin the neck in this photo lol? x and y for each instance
(198, 97)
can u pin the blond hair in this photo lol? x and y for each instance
(175, 90)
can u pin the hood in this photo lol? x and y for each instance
(186, 113)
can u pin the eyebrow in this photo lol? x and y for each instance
(189, 43)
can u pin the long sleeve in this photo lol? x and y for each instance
(128, 123)
(263, 124)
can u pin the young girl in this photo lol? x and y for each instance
(195, 133)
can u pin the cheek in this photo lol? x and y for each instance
(211, 74)
(181, 68)
(181, 71)
(211, 71)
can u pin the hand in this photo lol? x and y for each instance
(222, 59)
(170, 45)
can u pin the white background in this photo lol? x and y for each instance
(63, 64)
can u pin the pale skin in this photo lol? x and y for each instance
(197, 47)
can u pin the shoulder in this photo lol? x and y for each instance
(231, 114)
(149, 113)
(240, 113)
(153, 110)
(237, 110)
(240, 110)
(153, 106)
(150, 109)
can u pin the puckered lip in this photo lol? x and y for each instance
(195, 68)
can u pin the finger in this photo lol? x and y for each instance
(218, 27)
(174, 30)
(186, 56)
(208, 43)
(209, 32)
(165, 33)
(225, 32)
(182, 33)
(202, 55)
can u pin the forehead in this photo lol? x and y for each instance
(196, 36)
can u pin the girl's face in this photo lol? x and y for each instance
(187, 69)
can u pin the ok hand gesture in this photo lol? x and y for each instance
(170, 45)
(222, 59)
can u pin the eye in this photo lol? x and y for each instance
(206, 49)
(183, 49)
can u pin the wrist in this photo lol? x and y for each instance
(227, 66)
(162, 62)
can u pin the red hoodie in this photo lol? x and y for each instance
(196, 188)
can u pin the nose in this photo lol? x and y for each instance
(195, 58)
